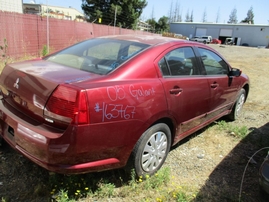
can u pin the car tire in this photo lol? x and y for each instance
(151, 150)
(237, 108)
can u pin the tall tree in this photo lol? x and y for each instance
(152, 22)
(204, 17)
(217, 17)
(170, 14)
(152, 13)
(233, 16)
(191, 17)
(174, 13)
(178, 15)
(187, 17)
(123, 13)
(250, 16)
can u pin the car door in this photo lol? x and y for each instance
(223, 88)
(186, 89)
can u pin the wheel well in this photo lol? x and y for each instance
(246, 87)
(171, 126)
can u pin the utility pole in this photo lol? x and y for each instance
(115, 18)
(48, 43)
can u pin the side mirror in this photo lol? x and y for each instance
(235, 72)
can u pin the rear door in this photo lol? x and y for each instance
(186, 89)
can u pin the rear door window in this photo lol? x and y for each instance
(179, 62)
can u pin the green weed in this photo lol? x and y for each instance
(237, 131)
(45, 51)
(74, 187)
(4, 200)
(105, 190)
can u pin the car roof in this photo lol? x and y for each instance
(146, 39)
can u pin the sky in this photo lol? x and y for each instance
(212, 8)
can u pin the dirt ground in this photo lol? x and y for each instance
(209, 161)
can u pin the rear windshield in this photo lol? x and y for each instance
(99, 56)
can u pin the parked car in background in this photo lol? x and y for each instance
(229, 41)
(109, 101)
(216, 41)
(202, 39)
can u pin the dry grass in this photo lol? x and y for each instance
(4, 61)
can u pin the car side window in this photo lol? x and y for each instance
(214, 64)
(164, 68)
(179, 62)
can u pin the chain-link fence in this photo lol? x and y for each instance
(27, 34)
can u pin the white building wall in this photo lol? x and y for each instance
(253, 35)
(11, 5)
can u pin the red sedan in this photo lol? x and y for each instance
(216, 41)
(111, 100)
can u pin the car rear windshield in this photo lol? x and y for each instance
(99, 56)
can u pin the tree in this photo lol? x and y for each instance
(162, 25)
(217, 17)
(124, 13)
(174, 14)
(152, 24)
(191, 17)
(177, 17)
(204, 19)
(152, 13)
(170, 14)
(250, 16)
(233, 16)
(188, 17)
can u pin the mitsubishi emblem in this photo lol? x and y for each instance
(16, 84)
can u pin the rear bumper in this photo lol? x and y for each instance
(75, 168)
(52, 149)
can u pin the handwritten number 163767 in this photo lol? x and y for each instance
(115, 111)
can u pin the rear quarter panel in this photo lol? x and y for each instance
(119, 114)
(122, 106)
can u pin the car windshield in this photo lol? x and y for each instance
(99, 56)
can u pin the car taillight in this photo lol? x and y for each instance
(67, 105)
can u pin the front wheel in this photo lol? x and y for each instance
(151, 149)
(238, 106)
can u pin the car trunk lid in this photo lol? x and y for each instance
(27, 86)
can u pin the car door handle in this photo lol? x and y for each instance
(214, 85)
(176, 91)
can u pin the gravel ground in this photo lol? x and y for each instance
(209, 161)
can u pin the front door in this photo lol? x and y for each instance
(223, 88)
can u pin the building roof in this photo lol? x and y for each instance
(222, 24)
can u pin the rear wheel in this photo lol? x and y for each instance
(237, 108)
(151, 149)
